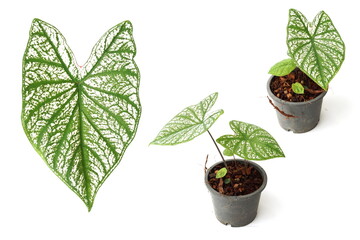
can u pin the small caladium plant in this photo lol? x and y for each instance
(80, 119)
(316, 48)
(249, 142)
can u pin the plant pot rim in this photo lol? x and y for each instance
(279, 100)
(257, 166)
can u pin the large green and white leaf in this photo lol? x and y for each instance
(250, 142)
(80, 119)
(189, 123)
(316, 47)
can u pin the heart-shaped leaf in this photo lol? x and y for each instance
(80, 120)
(316, 47)
(189, 123)
(250, 142)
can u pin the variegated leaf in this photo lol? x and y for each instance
(189, 123)
(250, 142)
(316, 47)
(80, 119)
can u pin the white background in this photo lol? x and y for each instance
(187, 50)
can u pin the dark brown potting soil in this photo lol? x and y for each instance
(244, 179)
(281, 87)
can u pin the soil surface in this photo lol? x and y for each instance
(281, 87)
(244, 179)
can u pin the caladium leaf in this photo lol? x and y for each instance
(189, 123)
(80, 119)
(316, 47)
(228, 152)
(250, 142)
(221, 173)
(283, 67)
(297, 88)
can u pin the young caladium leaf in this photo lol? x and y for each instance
(250, 142)
(189, 123)
(297, 88)
(227, 180)
(80, 119)
(316, 47)
(221, 173)
(283, 67)
(228, 152)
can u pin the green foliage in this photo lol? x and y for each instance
(297, 88)
(250, 142)
(189, 123)
(228, 152)
(80, 119)
(316, 47)
(283, 67)
(221, 173)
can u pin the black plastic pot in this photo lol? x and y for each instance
(236, 211)
(298, 117)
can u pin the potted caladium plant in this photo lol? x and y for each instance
(298, 84)
(80, 119)
(235, 184)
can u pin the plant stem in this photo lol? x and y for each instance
(205, 168)
(217, 147)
